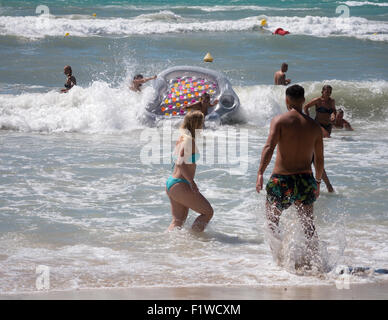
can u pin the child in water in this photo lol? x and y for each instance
(202, 105)
(71, 81)
(340, 123)
(138, 81)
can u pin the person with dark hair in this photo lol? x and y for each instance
(280, 76)
(138, 81)
(340, 123)
(298, 138)
(202, 105)
(71, 81)
(325, 110)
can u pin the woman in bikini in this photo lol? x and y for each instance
(180, 186)
(70, 80)
(324, 108)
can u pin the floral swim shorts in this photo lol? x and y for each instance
(284, 190)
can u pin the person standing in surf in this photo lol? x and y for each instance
(280, 76)
(180, 186)
(298, 138)
(70, 81)
(325, 115)
(325, 110)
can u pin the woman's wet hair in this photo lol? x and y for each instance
(295, 92)
(192, 121)
(327, 87)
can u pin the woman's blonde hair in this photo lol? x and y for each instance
(192, 121)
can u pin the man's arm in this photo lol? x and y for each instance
(318, 158)
(195, 105)
(214, 103)
(268, 149)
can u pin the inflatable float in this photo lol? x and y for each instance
(183, 85)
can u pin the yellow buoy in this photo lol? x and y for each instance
(263, 22)
(66, 34)
(208, 58)
(375, 34)
(94, 15)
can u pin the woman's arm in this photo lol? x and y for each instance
(309, 105)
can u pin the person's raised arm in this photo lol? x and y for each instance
(309, 105)
(196, 105)
(214, 103)
(268, 149)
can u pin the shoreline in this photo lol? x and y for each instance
(370, 291)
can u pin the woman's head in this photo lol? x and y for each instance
(67, 70)
(326, 90)
(193, 121)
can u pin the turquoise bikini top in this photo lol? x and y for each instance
(194, 157)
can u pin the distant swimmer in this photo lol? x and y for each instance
(71, 81)
(280, 76)
(340, 123)
(138, 81)
(202, 105)
(325, 110)
(180, 186)
(297, 138)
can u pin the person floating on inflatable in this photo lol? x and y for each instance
(281, 32)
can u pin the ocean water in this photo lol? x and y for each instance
(76, 195)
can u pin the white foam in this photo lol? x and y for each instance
(364, 3)
(167, 22)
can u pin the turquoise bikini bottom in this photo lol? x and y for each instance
(171, 181)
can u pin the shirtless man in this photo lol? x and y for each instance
(70, 81)
(340, 123)
(203, 104)
(280, 76)
(297, 138)
(138, 81)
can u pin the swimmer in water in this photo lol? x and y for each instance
(71, 81)
(138, 81)
(202, 105)
(340, 123)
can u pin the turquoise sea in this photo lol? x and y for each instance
(75, 196)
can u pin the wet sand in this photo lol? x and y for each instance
(376, 291)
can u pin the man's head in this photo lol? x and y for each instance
(205, 97)
(295, 97)
(138, 77)
(67, 70)
(284, 67)
(340, 114)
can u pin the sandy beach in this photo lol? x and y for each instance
(378, 291)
